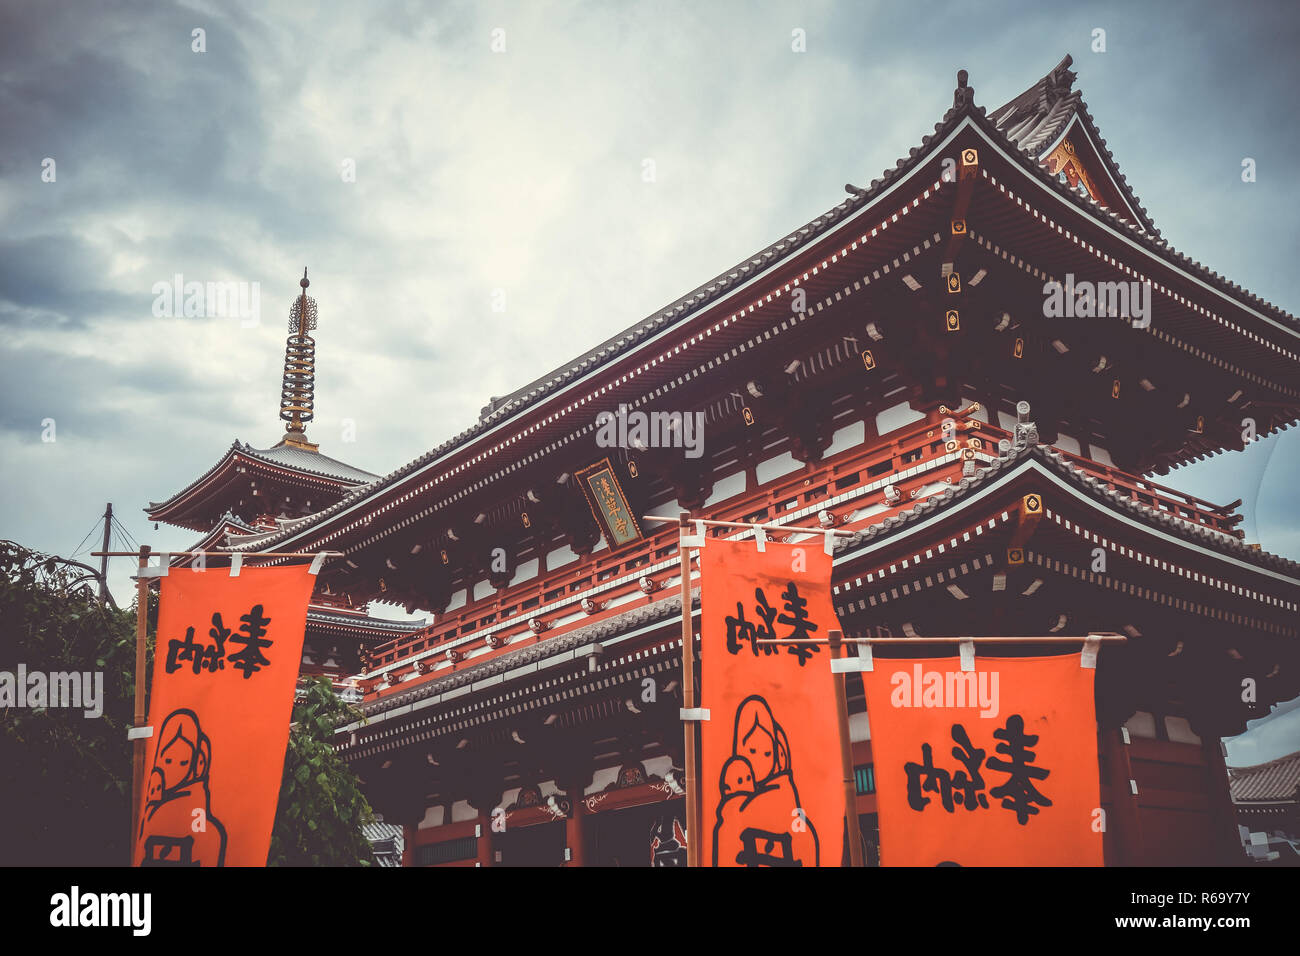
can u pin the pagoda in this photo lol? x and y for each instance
(979, 363)
(250, 494)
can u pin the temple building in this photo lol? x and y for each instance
(252, 493)
(1267, 799)
(981, 364)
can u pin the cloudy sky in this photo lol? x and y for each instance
(499, 150)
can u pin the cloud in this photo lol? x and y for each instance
(1268, 738)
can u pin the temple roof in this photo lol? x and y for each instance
(1043, 109)
(1272, 781)
(193, 505)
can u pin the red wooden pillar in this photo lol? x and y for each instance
(575, 834)
(1224, 838)
(1126, 839)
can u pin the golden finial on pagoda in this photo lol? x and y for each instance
(296, 397)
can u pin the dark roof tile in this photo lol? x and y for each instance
(1272, 781)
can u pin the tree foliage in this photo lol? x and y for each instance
(322, 810)
(65, 778)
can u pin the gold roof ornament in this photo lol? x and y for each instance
(296, 395)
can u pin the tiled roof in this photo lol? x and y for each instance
(387, 841)
(317, 616)
(311, 462)
(1275, 780)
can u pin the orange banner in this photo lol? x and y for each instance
(771, 782)
(225, 667)
(991, 767)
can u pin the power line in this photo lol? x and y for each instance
(93, 529)
(126, 534)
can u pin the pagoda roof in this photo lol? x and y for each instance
(313, 468)
(1045, 100)
(1274, 781)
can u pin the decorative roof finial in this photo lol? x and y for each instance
(964, 95)
(296, 396)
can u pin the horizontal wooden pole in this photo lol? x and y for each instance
(751, 526)
(220, 554)
(1049, 639)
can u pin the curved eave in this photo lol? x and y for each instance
(377, 627)
(228, 525)
(172, 509)
(1048, 469)
(180, 509)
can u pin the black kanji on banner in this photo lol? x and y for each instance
(212, 657)
(741, 631)
(965, 787)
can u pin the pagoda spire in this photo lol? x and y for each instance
(296, 395)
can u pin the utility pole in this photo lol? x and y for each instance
(103, 561)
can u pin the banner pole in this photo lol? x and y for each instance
(846, 756)
(137, 744)
(693, 830)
